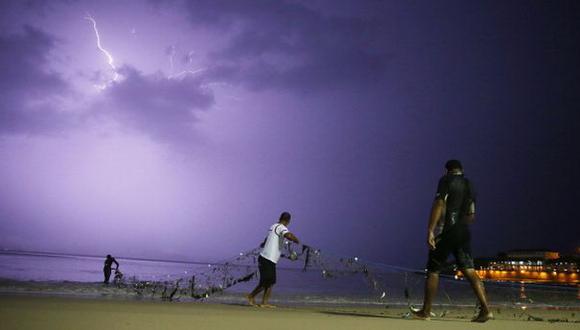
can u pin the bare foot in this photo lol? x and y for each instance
(483, 317)
(420, 314)
(267, 306)
(251, 301)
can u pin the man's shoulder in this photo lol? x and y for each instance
(277, 226)
(463, 179)
(444, 179)
(443, 182)
(281, 227)
(457, 178)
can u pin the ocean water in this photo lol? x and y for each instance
(328, 283)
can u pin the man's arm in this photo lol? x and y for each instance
(470, 214)
(289, 236)
(116, 263)
(436, 211)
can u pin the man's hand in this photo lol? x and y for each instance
(431, 240)
(470, 219)
(436, 212)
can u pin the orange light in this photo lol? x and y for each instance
(543, 275)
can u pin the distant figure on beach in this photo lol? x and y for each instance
(108, 266)
(271, 251)
(456, 197)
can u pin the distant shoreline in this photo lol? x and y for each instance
(415, 271)
(70, 255)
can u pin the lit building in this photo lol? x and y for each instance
(533, 254)
(542, 266)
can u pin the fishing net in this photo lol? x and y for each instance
(339, 279)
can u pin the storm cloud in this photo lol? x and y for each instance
(287, 45)
(342, 112)
(29, 92)
(154, 104)
(37, 100)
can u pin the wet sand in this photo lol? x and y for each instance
(33, 312)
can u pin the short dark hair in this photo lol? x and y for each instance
(285, 216)
(453, 164)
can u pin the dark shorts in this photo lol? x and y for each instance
(456, 241)
(267, 272)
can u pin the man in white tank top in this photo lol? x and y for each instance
(271, 251)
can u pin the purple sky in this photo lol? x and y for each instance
(215, 116)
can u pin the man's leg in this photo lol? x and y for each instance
(264, 274)
(436, 260)
(251, 297)
(431, 284)
(268, 288)
(107, 275)
(266, 297)
(465, 263)
(485, 314)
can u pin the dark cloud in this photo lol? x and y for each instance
(27, 90)
(288, 45)
(155, 105)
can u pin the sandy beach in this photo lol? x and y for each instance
(33, 312)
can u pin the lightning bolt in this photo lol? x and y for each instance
(186, 72)
(110, 59)
(171, 51)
